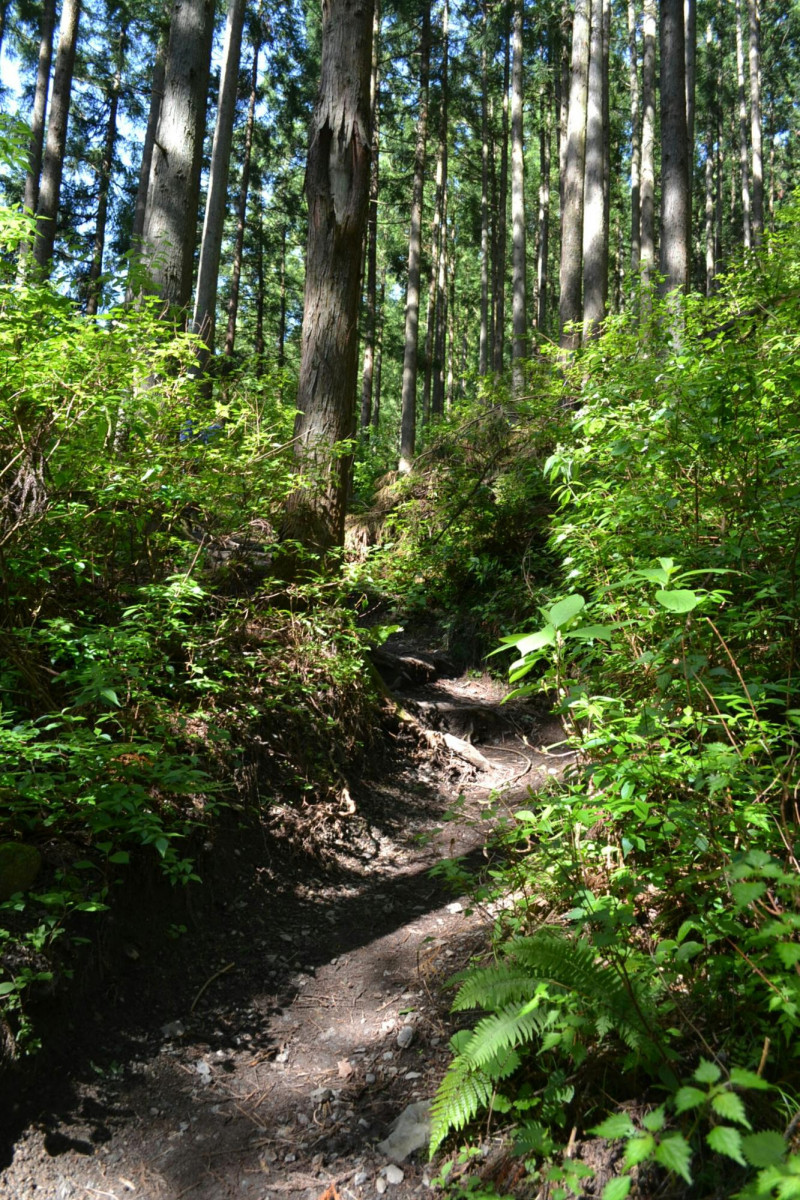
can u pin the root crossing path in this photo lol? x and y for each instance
(269, 1052)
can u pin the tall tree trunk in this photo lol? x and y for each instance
(440, 328)
(483, 340)
(519, 350)
(368, 373)
(408, 419)
(709, 214)
(104, 184)
(205, 304)
(156, 97)
(282, 302)
(562, 99)
(543, 254)
(170, 225)
(595, 231)
(648, 179)
(755, 120)
(502, 205)
(376, 406)
(241, 207)
(674, 258)
(53, 165)
(690, 60)
(636, 146)
(39, 111)
(743, 150)
(337, 190)
(430, 318)
(570, 311)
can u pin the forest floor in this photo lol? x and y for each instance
(268, 1050)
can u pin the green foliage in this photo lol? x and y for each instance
(667, 855)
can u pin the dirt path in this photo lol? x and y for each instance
(313, 1012)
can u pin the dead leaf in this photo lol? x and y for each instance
(345, 1069)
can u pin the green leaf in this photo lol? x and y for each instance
(707, 1072)
(565, 610)
(764, 1149)
(535, 641)
(617, 1189)
(7, 988)
(724, 1139)
(788, 953)
(121, 856)
(639, 1149)
(675, 1154)
(689, 1097)
(679, 601)
(745, 893)
(110, 695)
(586, 633)
(749, 1079)
(619, 1125)
(730, 1106)
(654, 1121)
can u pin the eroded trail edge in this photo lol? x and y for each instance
(312, 1013)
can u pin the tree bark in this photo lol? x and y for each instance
(104, 184)
(674, 259)
(636, 146)
(755, 119)
(502, 204)
(376, 406)
(241, 207)
(408, 419)
(156, 96)
(39, 112)
(519, 351)
(205, 304)
(440, 326)
(595, 231)
(430, 321)
(690, 60)
(648, 179)
(368, 373)
(53, 165)
(747, 238)
(570, 311)
(170, 225)
(337, 190)
(483, 337)
(543, 254)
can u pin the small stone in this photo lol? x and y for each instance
(455, 907)
(405, 1037)
(369, 1077)
(320, 1095)
(388, 1055)
(202, 1068)
(394, 1174)
(360, 1177)
(380, 1185)
(289, 1158)
(413, 1075)
(173, 1029)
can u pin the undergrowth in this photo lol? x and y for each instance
(644, 991)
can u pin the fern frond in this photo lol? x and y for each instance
(505, 1030)
(493, 987)
(459, 1098)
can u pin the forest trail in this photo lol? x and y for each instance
(313, 1013)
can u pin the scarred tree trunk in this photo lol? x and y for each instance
(440, 326)
(570, 311)
(674, 259)
(518, 269)
(170, 226)
(337, 190)
(542, 258)
(205, 305)
(241, 208)
(53, 166)
(408, 420)
(104, 185)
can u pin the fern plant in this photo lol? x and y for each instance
(549, 991)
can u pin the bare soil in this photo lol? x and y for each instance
(266, 1051)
